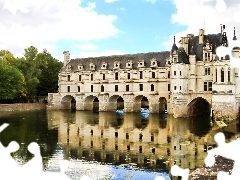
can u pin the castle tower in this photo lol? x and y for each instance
(66, 59)
(192, 74)
(201, 36)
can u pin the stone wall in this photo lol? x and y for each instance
(22, 106)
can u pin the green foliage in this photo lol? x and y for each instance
(11, 81)
(35, 74)
(49, 76)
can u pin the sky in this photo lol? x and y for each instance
(91, 28)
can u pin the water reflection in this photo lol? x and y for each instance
(155, 143)
(117, 145)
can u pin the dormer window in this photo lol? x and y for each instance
(141, 63)
(129, 64)
(91, 66)
(153, 63)
(80, 67)
(104, 65)
(69, 67)
(116, 65)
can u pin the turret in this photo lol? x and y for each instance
(66, 58)
(201, 36)
(174, 52)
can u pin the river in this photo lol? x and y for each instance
(106, 145)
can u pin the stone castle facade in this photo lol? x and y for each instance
(186, 81)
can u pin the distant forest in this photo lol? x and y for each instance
(28, 78)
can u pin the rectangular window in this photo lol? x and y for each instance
(128, 75)
(216, 75)
(68, 77)
(103, 76)
(209, 86)
(153, 74)
(68, 89)
(180, 72)
(80, 77)
(116, 76)
(140, 87)
(205, 86)
(169, 87)
(140, 74)
(207, 71)
(91, 88)
(228, 75)
(78, 88)
(175, 87)
(174, 73)
(168, 74)
(91, 77)
(180, 87)
(127, 87)
(116, 88)
(102, 88)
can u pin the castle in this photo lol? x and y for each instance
(189, 80)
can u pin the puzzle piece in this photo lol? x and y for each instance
(177, 171)
(228, 150)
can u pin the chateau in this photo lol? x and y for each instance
(189, 80)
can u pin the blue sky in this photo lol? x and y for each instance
(89, 28)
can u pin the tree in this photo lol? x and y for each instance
(31, 72)
(48, 80)
(11, 81)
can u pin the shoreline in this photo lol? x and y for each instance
(22, 107)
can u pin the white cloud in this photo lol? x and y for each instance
(207, 11)
(151, 1)
(48, 22)
(110, 1)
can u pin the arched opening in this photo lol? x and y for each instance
(68, 102)
(91, 103)
(144, 102)
(115, 102)
(120, 103)
(162, 105)
(96, 104)
(140, 102)
(199, 107)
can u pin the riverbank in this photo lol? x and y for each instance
(22, 107)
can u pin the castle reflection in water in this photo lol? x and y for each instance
(157, 142)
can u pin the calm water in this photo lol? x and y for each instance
(106, 145)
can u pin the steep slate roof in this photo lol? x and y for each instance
(214, 39)
(182, 56)
(123, 59)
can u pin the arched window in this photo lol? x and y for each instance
(222, 75)
(152, 87)
(102, 88)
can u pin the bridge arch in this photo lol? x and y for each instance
(139, 102)
(91, 103)
(68, 102)
(198, 107)
(115, 102)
